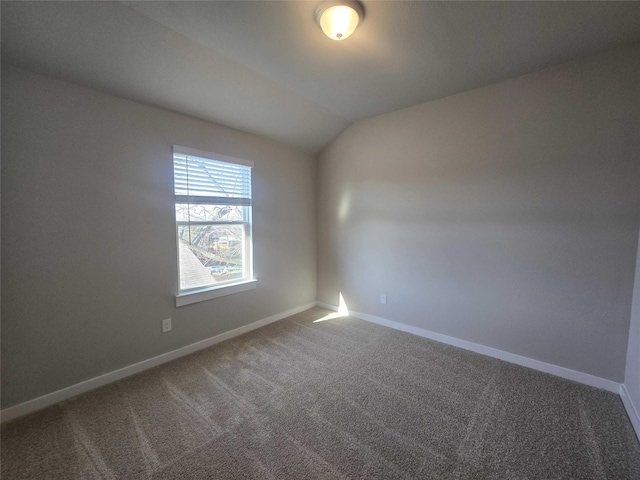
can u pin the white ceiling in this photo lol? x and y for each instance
(266, 68)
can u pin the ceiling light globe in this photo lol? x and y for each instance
(339, 21)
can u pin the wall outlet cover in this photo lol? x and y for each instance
(166, 325)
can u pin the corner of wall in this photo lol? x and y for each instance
(630, 389)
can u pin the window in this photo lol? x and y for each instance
(213, 224)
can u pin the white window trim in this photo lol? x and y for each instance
(209, 293)
(214, 156)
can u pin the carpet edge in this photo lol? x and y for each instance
(16, 411)
(558, 371)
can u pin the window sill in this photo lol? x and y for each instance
(215, 292)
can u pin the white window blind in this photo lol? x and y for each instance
(203, 180)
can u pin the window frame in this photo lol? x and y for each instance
(247, 282)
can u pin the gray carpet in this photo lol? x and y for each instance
(335, 399)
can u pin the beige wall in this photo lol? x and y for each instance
(505, 216)
(88, 237)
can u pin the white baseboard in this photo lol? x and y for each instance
(49, 399)
(632, 411)
(556, 370)
(328, 306)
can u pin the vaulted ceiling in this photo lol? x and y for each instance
(265, 67)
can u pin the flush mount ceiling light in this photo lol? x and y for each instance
(338, 20)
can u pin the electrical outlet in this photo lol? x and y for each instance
(383, 298)
(166, 325)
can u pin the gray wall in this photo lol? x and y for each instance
(632, 373)
(88, 238)
(505, 216)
